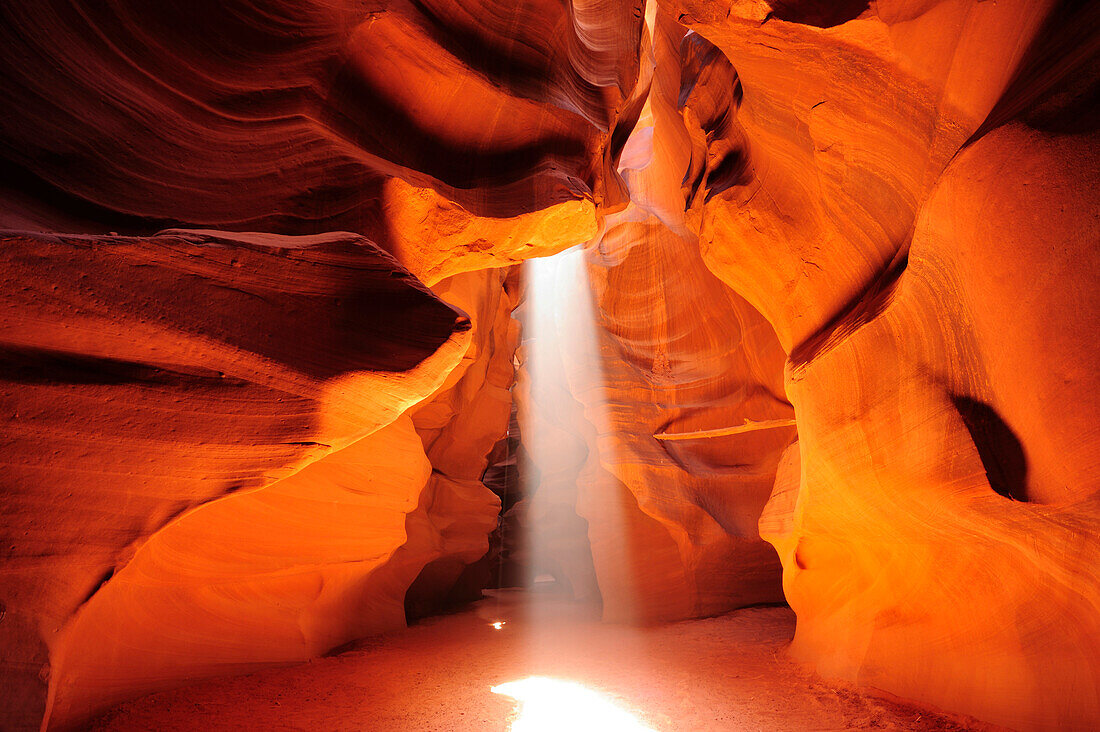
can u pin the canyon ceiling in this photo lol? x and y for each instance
(260, 337)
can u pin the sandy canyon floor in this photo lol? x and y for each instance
(726, 673)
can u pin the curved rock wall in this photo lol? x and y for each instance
(272, 576)
(319, 558)
(656, 411)
(915, 215)
(944, 541)
(899, 195)
(144, 378)
(459, 428)
(691, 420)
(457, 136)
(655, 418)
(438, 129)
(682, 389)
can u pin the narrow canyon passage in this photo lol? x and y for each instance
(569, 644)
(726, 673)
(521, 364)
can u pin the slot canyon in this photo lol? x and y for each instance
(668, 365)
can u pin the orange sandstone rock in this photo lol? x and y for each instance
(333, 553)
(277, 575)
(691, 421)
(459, 427)
(432, 128)
(655, 414)
(147, 377)
(224, 450)
(681, 386)
(931, 272)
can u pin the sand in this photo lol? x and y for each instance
(726, 673)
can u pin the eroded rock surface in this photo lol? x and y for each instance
(457, 134)
(459, 428)
(679, 380)
(876, 220)
(654, 415)
(916, 216)
(330, 554)
(145, 377)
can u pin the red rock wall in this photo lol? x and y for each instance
(679, 387)
(322, 557)
(147, 377)
(690, 422)
(459, 428)
(272, 576)
(440, 130)
(899, 195)
(655, 419)
(457, 136)
(915, 215)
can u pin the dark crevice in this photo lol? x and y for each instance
(866, 307)
(27, 365)
(99, 585)
(818, 13)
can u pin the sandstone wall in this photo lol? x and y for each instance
(190, 500)
(916, 216)
(146, 378)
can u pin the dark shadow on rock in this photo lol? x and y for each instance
(1001, 452)
(818, 13)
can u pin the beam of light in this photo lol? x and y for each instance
(553, 705)
(582, 514)
(562, 370)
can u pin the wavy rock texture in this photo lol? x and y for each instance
(655, 419)
(459, 428)
(938, 519)
(843, 131)
(654, 407)
(273, 576)
(685, 395)
(438, 129)
(225, 449)
(145, 377)
(322, 557)
(944, 540)
(456, 135)
(690, 421)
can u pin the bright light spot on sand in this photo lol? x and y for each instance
(498, 624)
(552, 705)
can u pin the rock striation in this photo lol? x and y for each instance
(459, 427)
(438, 129)
(681, 384)
(281, 492)
(653, 396)
(831, 338)
(332, 553)
(147, 377)
(915, 216)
